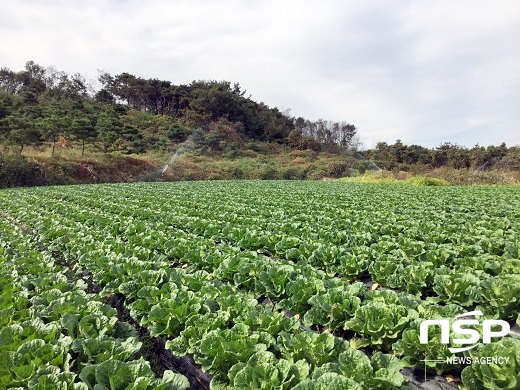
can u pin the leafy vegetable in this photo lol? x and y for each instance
(263, 370)
(220, 349)
(299, 291)
(136, 374)
(500, 295)
(333, 308)
(190, 338)
(316, 349)
(462, 288)
(169, 316)
(380, 324)
(350, 363)
(210, 265)
(329, 380)
(493, 375)
(97, 350)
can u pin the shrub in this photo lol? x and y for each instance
(263, 147)
(236, 173)
(337, 169)
(427, 181)
(294, 173)
(269, 173)
(298, 161)
(304, 154)
(15, 171)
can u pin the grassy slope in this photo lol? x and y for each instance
(266, 162)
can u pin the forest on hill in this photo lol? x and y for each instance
(44, 108)
(134, 115)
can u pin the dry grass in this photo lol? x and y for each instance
(68, 165)
(298, 161)
(440, 176)
(470, 176)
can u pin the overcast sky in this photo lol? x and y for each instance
(425, 72)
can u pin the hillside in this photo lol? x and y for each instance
(55, 128)
(37, 169)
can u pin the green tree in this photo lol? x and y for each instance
(133, 139)
(108, 129)
(346, 134)
(84, 131)
(6, 104)
(152, 129)
(9, 81)
(223, 135)
(33, 82)
(199, 138)
(52, 127)
(176, 133)
(295, 139)
(55, 122)
(22, 131)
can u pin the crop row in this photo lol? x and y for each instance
(480, 270)
(201, 276)
(198, 312)
(55, 335)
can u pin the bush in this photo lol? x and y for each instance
(427, 181)
(337, 169)
(16, 171)
(263, 147)
(294, 173)
(470, 176)
(511, 161)
(304, 154)
(379, 179)
(269, 173)
(363, 166)
(298, 161)
(236, 173)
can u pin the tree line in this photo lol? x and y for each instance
(398, 156)
(132, 114)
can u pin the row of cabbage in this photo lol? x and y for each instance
(55, 335)
(468, 260)
(123, 240)
(226, 328)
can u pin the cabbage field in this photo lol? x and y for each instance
(259, 285)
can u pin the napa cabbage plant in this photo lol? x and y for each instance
(380, 324)
(494, 376)
(263, 370)
(134, 375)
(332, 308)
